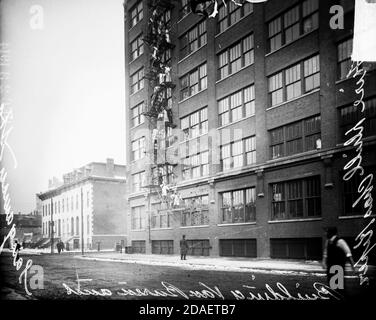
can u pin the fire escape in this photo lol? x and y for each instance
(159, 107)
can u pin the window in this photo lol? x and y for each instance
(136, 14)
(239, 206)
(195, 124)
(59, 227)
(236, 57)
(196, 165)
(293, 82)
(231, 14)
(237, 106)
(159, 218)
(136, 114)
(138, 246)
(198, 247)
(77, 226)
(351, 115)
(166, 60)
(311, 73)
(170, 137)
(138, 149)
(296, 199)
(194, 153)
(193, 39)
(296, 248)
(344, 50)
(299, 20)
(137, 81)
(136, 48)
(239, 153)
(166, 16)
(287, 84)
(185, 8)
(88, 225)
(193, 82)
(138, 219)
(238, 248)
(162, 246)
(295, 138)
(196, 211)
(167, 174)
(76, 201)
(276, 88)
(138, 180)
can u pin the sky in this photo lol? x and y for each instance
(66, 89)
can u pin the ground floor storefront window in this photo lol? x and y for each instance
(138, 246)
(238, 248)
(198, 247)
(296, 248)
(162, 247)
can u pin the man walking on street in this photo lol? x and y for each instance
(183, 248)
(336, 253)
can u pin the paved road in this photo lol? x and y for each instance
(133, 281)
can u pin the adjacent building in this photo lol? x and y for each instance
(88, 205)
(28, 229)
(236, 128)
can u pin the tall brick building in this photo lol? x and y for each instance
(235, 128)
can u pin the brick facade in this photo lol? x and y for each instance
(325, 162)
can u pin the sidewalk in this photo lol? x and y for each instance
(214, 263)
(30, 251)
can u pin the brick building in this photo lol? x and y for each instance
(96, 192)
(235, 128)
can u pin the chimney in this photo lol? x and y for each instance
(110, 167)
(66, 178)
(87, 171)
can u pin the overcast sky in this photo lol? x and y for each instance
(67, 89)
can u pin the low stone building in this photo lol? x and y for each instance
(88, 205)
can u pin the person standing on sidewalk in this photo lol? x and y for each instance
(183, 248)
(336, 253)
(17, 249)
(58, 246)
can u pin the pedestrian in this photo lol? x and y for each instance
(58, 246)
(17, 249)
(62, 245)
(336, 253)
(183, 248)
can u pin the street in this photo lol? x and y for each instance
(65, 277)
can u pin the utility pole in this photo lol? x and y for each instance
(82, 222)
(52, 226)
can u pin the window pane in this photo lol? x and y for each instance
(310, 6)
